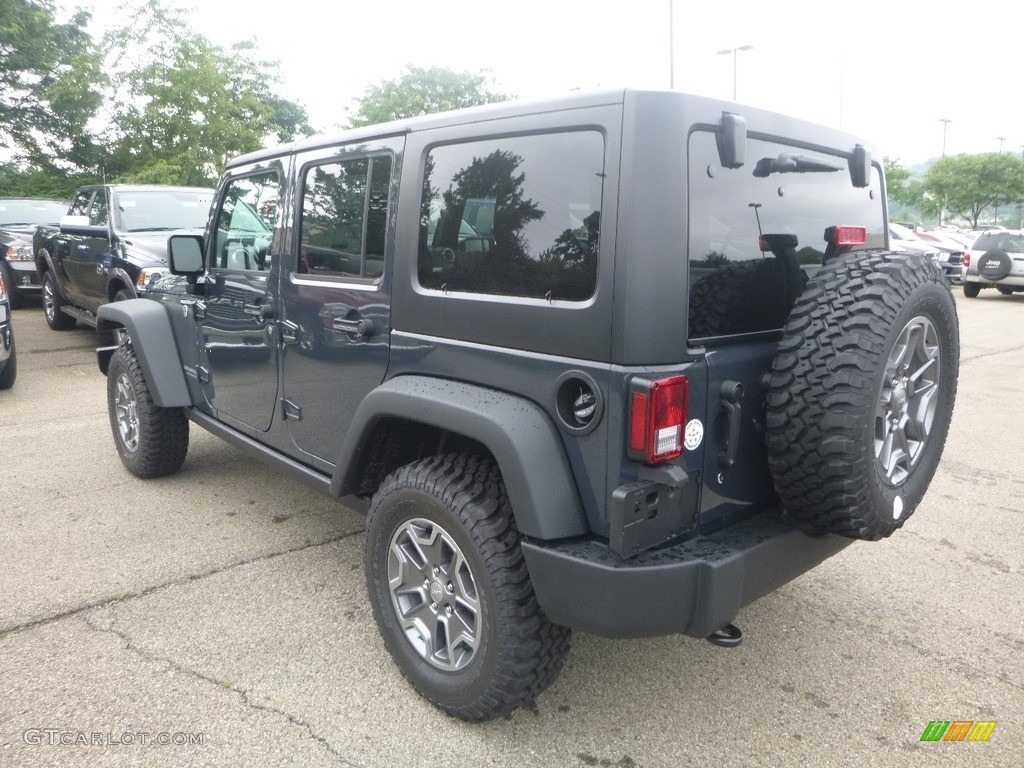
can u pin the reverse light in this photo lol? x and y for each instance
(657, 418)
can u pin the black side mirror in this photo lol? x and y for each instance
(185, 255)
(732, 141)
(860, 167)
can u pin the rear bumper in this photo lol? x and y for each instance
(693, 588)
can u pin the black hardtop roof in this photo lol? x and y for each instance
(577, 100)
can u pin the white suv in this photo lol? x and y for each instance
(996, 259)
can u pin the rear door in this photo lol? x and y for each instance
(756, 235)
(335, 293)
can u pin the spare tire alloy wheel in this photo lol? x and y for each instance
(450, 590)
(861, 394)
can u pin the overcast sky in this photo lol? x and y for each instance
(888, 71)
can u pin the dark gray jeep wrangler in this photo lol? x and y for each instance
(622, 362)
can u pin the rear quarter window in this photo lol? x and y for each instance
(514, 216)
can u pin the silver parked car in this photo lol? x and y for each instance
(996, 260)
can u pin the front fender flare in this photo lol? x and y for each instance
(520, 435)
(149, 327)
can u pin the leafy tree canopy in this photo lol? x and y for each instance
(183, 106)
(50, 82)
(422, 92)
(966, 185)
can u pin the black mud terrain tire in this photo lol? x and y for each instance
(450, 590)
(861, 394)
(151, 440)
(53, 304)
(744, 297)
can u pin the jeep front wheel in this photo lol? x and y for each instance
(861, 394)
(151, 440)
(450, 590)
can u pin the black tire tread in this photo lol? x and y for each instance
(9, 371)
(818, 396)
(532, 649)
(163, 432)
(59, 321)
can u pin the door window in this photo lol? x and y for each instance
(344, 219)
(245, 223)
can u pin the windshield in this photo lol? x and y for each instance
(160, 209)
(15, 212)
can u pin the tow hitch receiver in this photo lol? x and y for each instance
(728, 636)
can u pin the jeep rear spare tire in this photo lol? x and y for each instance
(994, 264)
(861, 394)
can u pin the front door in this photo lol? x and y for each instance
(335, 293)
(238, 328)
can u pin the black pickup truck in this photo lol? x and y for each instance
(111, 245)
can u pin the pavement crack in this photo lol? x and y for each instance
(102, 603)
(243, 693)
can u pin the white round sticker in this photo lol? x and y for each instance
(694, 434)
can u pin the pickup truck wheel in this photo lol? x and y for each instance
(1005, 290)
(9, 369)
(450, 590)
(861, 394)
(152, 441)
(53, 304)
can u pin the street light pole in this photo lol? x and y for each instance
(1001, 140)
(945, 124)
(671, 48)
(735, 53)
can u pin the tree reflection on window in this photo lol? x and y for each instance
(516, 217)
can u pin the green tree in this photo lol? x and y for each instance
(422, 92)
(899, 183)
(50, 82)
(183, 106)
(968, 184)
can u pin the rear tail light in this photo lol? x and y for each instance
(967, 260)
(657, 418)
(846, 234)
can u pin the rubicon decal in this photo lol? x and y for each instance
(958, 730)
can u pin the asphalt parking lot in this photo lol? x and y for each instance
(223, 610)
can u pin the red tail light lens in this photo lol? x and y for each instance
(657, 418)
(967, 259)
(846, 234)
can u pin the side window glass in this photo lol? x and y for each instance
(98, 213)
(245, 223)
(518, 216)
(344, 219)
(80, 205)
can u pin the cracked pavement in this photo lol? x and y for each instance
(227, 602)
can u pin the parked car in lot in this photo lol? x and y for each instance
(8, 357)
(19, 218)
(995, 261)
(111, 245)
(903, 239)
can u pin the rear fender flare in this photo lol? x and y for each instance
(518, 433)
(149, 327)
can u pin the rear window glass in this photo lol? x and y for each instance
(516, 216)
(783, 199)
(1012, 242)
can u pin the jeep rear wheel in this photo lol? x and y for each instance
(450, 590)
(861, 394)
(151, 440)
(971, 290)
